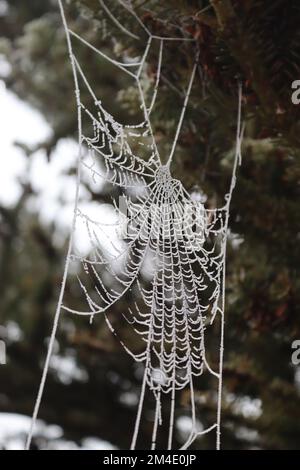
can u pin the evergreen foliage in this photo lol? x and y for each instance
(256, 42)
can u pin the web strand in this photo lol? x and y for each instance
(68, 257)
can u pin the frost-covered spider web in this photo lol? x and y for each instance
(171, 240)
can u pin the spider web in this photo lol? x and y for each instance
(176, 241)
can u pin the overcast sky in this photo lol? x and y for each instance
(55, 189)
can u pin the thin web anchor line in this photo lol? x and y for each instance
(237, 161)
(69, 252)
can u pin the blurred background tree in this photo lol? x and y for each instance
(256, 42)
